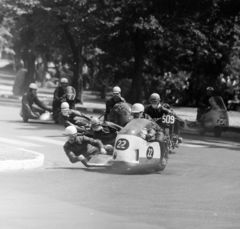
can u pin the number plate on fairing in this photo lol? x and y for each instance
(222, 121)
(122, 144)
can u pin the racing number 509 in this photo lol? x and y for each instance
(168, 119)
(122, 144)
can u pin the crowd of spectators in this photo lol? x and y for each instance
(229, 87)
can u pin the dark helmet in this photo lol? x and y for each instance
(154, 98)
(209, 90)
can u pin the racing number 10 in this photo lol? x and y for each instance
(168, 119)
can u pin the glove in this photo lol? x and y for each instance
(82, 158)
(103, 151)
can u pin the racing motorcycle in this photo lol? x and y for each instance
(132, 152)
(106, 138)
(168, 123)
(215, 119)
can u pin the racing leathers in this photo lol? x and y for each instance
(155, 133)
(85, 146)
(73, 119)
(107, 133)
(203, 104)
(60, 96)
(160, 114)
(110, 104)
(28, 110)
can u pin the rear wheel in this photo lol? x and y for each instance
(238, 107)
(217, 132)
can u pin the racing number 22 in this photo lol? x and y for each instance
(122, 144)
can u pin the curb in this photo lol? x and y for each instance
(34, 160)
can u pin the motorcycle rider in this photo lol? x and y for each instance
(69, 117)
(204, 103)
(154, 132)
(116, 98)
(104, 130)
(29, 98)
(59, 96)
(82, 148)
(156, 111)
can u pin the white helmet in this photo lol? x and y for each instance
(116, 89)
(137, 108)
(64, 80)
(94, 122)
(70, 130)
(65, 109)
(64, 105)
(33, 86)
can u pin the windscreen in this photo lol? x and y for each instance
(217, 103)
(136, 126)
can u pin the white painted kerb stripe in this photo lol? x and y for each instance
(16, 142)
(42, 139)
(32, 163)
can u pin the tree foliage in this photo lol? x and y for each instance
(138, 40)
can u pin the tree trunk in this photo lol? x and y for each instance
(77, 64)
(136, 88)
(30, 70)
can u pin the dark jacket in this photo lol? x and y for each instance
(28, 100)
(204, 102)
(111, 102)
(156, 114)
(80, 146)
(72, 119)
(107, 134)
(58, 94)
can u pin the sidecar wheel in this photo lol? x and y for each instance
(217, 132)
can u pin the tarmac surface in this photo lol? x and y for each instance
(12, 158)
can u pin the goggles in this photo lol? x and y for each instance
(65, 112)
(116, 94)
(136, 115)
(155, 105)
(71, 137)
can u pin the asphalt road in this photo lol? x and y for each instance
(198, 189)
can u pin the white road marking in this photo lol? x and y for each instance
(216, 143)
(192, 145)
(43, 139)
(16, 142)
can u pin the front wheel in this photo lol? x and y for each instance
(25, 119)
(165, 152)
(217, 132)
